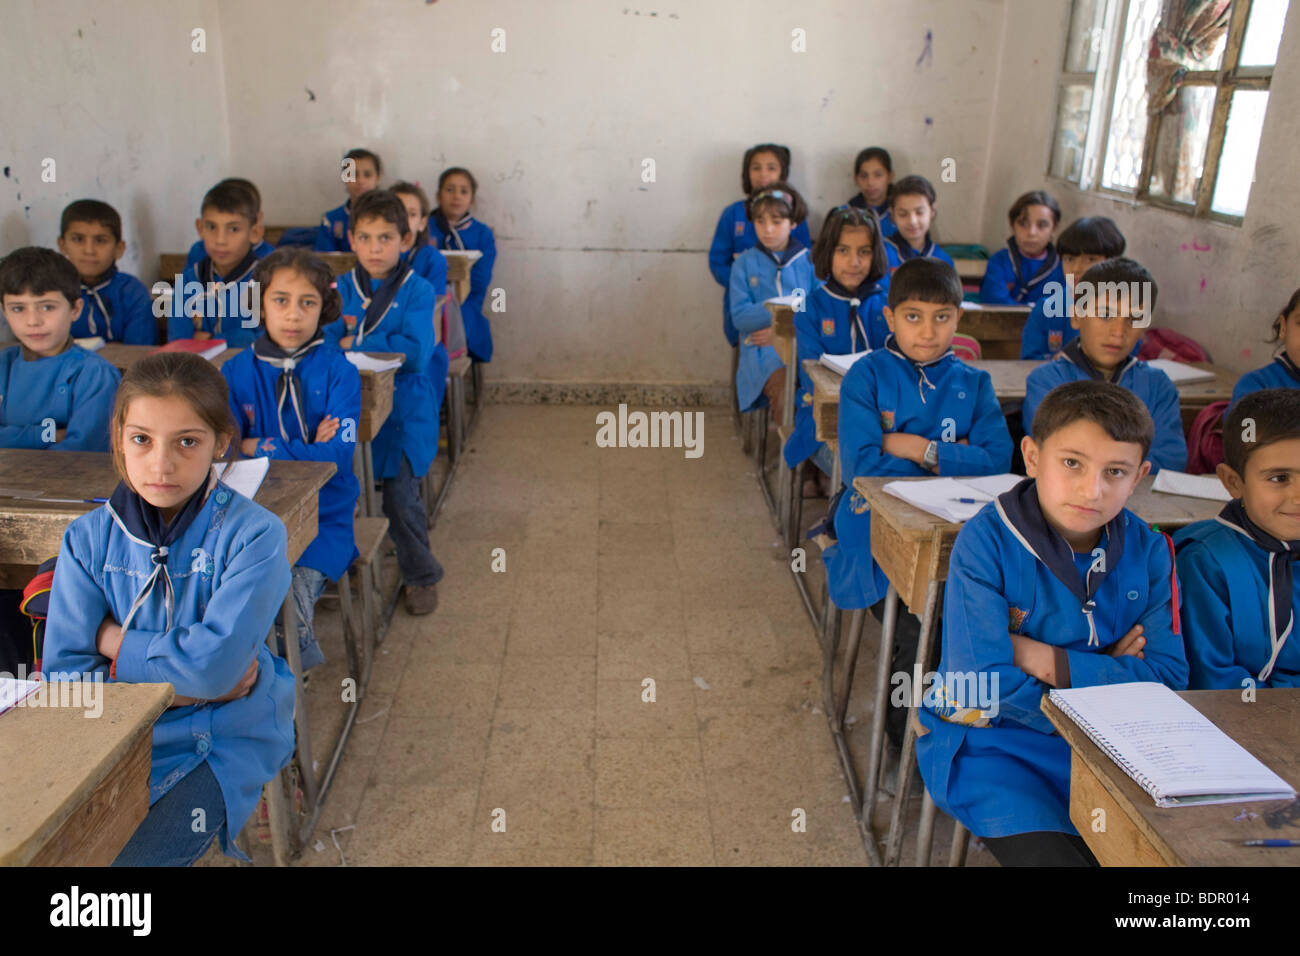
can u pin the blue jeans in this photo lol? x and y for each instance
(406, 524)
(167, 836)
(308, 583)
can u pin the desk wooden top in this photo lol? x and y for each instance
(1210, 835)
(55, 757)
(172, 264)
(31, 530)
(783, 337)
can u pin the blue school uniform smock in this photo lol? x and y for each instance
(1152, 386)
(836, 322)
(117, 307)
(218, 297)
(1012, 279)
(75, 389)
(198, 251)
(1279, 373)
(733, 236)
(1013, 776)
(887, 226)
(898, 250)
(755, 278)
(1045, 335)
(411, 429)
(229, 573)
(429, 264)
(1224, 577)
(469, 233)
(329, 385)
(887, 392)
(332, 233)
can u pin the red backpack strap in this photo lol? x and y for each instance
(1173, 582)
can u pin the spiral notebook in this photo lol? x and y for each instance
(1172, 750)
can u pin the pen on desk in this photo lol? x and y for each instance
(971, 501)
(1272, 843)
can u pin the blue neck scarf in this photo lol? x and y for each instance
(1044, 269)
(868, 288)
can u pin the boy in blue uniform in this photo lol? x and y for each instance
(263, 248)
(763, 165)
(1018, 274)
(1082, 244)
(53, 394)
(911, 408)
(178, 579)
(225, 309)
(361, 170)
(1241, 592)
(388, 308)
(912, 206)
(843, 315)
(1054, 584)
(116, 306)
(873, 173)
(1284, 370)
(292, 397)
(1110, 321)
(778, 266)
(453, 227)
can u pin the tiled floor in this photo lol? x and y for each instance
(641, 685)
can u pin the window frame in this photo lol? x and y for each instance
(1226, 81)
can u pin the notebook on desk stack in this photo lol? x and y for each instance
(205, 348)
(841, 363)
(1180, 373)
(1172, 750)
(953, 499)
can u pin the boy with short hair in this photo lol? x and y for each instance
(911, 408)
(361, 170)
(53, 394)
(263, 248)
(117, 306)
(1241, 604)
(1111, 319)
(1053, 584)
(229, 229)
(1083, 244)
(387, 307)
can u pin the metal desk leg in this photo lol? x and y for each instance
(925, 832)
(880, 710)
(368, 482)
(906, 761)
(289, 615)
(960, 844)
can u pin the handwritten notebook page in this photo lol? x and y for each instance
(1170, 748)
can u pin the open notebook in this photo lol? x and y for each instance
(1194, 486)
(245, 475)
(470, 254)
(1173, 751)
(953, 499)
(841, 363)
(1180, 373)
(369, 363)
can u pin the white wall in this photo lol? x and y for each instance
(113, 93)
(606, 278)
(1225, 297)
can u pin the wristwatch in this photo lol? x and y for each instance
(932, 455)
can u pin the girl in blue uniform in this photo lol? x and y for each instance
(1021, 572)
(1108, 336)
(1018, 274)
(843, 315)
(912, 205)
(763, 166)
(291, 395)
(388, 308)
(778, 266)
(360, 170)
(1241, 592)
(873, 173)
(452, 226)
(1284, 370)
(117, 306)
(425, 259)
(53, 394)
(1083, 244)
(177, 580)
(911, 408)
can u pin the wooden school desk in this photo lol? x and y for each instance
(172, 264)
(31, 530)
(458, 269)
(912, 548)
(376, 405)
(75, 787)
(1009, 377)
(997, 328)
(783, 340)
(1138, 833)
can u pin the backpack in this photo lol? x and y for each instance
(1168, 344)
(1205, 440)
(36, 605)
(452, 331)
(966, 348)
